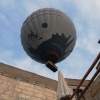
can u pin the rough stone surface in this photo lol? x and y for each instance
(17, 84)
(93, 93)
(21, 90)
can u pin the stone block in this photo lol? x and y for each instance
(17, 90)
(1, 77)
(27, 93)
(3, 86)
(1, 90)
(9, 93)
(37, 91)
(35, 98)
(21, 87)
(29, 88)
(11, 88)
(1, 81)
(50, 91)
(40, 96)
(15, 94)
(23, 97)
(5, 82)
(12, 98)
(48, 94)
(50, 98)
(39, 88)
(4, 96)
(55, 96)
(25, 84)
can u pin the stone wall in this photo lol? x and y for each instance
(17, 84)
(93, 93)
(11, 89)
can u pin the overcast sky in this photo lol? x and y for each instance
(85, 15)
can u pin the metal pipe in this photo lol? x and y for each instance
(87, 73)
(90, 82)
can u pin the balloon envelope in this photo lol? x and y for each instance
(48, 35)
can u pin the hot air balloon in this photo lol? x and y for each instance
(48, 35)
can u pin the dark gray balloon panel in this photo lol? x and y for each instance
(48, 35)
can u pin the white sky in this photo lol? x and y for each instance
(85, 15)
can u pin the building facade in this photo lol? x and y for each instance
(17, 84)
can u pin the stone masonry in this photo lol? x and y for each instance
(17, 84)
(11, 89)
(93, 93)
